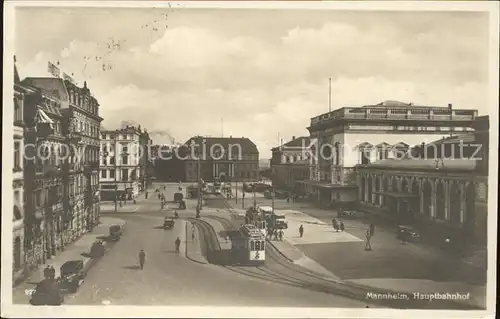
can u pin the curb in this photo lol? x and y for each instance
(203, 261)
(279, 252)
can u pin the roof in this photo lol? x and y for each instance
(456, 139)
(296, 142)
(247, 146)
(392, 103)
(17, 80)
(425, 164)
(49, 86)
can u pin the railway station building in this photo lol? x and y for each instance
(352, 136)
(443, 185)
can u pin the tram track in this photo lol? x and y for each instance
(278, 269)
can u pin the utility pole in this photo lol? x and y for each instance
(116, 172)
(236, 190)
(200, 202)
(329, 94)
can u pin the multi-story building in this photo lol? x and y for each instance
(77, 126)
(444, 184)
(43, 180)
(291, 163)
(222, 158)
(120, 164)
(18, 178)
(360, 135)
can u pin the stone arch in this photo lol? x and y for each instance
(440, 201)
(470, 204)
(369, 190)
(427, 197)
(385, 188)
(17, 254)
(394, 184)
(415, 190)
(377, 189)
(362, 187)
(404, 185)
(455, 200)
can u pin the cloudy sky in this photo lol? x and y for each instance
(264, 71)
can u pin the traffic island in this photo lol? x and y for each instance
(193, 244)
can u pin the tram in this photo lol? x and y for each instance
(249, 247)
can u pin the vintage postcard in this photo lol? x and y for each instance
(250, 159)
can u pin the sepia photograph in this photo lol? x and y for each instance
(250, 159)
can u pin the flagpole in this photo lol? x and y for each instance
(329, 94)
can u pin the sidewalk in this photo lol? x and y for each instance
(193, 247)
(72, 252)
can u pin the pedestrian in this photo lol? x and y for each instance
(46, 272)
(288, 200)
(368, 246)
(372, 230)
(334, 222)
(275, 234)
(146, 195)
(192, 236)
(342, 227)
(142, 258)
(52, 272)
(336, 227)
(281, 234)
(178, 244)
(301, 230)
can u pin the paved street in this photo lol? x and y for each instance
(170, 279)
(389, 264)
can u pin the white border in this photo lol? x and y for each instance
(13, 311)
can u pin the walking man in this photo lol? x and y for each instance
(178, 244)
(142, 258)
(342, 227)
(301, 231)
(368, 246)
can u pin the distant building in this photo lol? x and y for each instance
(446, 189)
(291, 163)
(122, 163)
(169, 162)
(352, 136)
(223, 158)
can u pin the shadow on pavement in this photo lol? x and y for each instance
(87, 255)
(135, 267)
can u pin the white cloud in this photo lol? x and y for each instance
(187, 79)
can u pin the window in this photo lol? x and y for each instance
(111, 136)
(125, 174)
(111, 173)
(125, 159)
(103, 173)
(124, 148)
(18, 110)
(103, 136)
(17, 155)
(112, 160)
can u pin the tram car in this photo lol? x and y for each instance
(249, 247)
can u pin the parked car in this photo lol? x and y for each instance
(47, 293)
(168, 223)
(408, 233)
(115, 232)
(72, 274)
(348, 214)
(178, 197)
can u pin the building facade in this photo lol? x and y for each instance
(225, 159)
(77, 159)
(120, 163)
(18, 180)
(440, 190)
(291, 163)
(360, 135)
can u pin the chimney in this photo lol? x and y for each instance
(450, 106)
(293, 137)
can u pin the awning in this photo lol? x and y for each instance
(397, 195)
(43, 118)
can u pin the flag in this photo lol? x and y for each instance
(68, 78)
(54, 70)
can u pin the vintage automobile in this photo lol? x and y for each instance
(115, 232)
(72, 274)
(347, 214)
(168, 223)
(407, 233)
(47, 293)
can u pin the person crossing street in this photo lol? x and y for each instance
(178, 244)
(142, 258)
